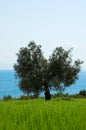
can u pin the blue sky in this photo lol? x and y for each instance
(51, 23)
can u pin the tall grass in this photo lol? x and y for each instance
(43, 115)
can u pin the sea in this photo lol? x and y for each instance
(9, 84)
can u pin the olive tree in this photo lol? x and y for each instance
(37, 74)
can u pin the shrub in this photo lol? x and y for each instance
(26, 97)
(22, 97)
(83, 93)
(7, 98)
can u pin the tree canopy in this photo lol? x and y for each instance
(63, 71)
(37, 74)
(29, 68)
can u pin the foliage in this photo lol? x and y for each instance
(83, 93)
(29, 69)
(26, 97)
(7, 98)
(38, 74)
(63, 71)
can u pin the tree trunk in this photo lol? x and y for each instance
(47, 94)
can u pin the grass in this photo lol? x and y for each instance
(39, 114)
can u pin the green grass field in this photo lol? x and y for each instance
(39, 114)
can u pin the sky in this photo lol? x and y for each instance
(51, 23)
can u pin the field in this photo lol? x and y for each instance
(38, 114)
